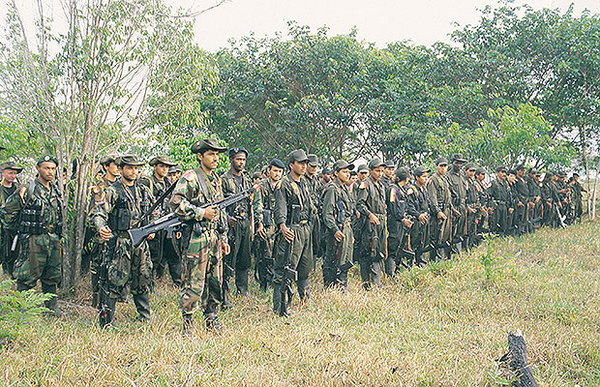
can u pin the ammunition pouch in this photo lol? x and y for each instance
(267, 218)
(340, 212)
(31, 221)
(120, 218)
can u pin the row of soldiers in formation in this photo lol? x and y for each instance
(382, 217)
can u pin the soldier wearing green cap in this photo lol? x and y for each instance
(339, 239)
(316, 191)
(9, 185)
(34, 213)
(441, 205)
(293, 247)
(399, 223)
(372, 207)
(499, 200)
(158, 183)
(92, 244)
(206, 242)
(241, 225)
(123, 205)
(458, 191)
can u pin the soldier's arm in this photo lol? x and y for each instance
(280, 215)
(361, 202)
(431, 189)
(14, 204)
(329, 208)
(102, 209)
(180, 203)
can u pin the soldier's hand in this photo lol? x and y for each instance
(374, 219)
(287, 232)
(211, 212)
(423, 218)
(407, 222)
(261, 231)
(105, 233)
(520, 204)
(441, 215)
(339, 236)
(151, 236)
(225, 248)
(511, 210)
(231, 221)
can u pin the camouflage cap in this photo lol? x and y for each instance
(341, 164)
(130, 159)
(480, 171)
(375, 163)
(313, 160)
(419, 171)
(402, 173)
(390, 164)
(207, 144)
(47, 159)
(470, 166)
(175, 168)
(162, 159)
(501, 168)
(297, 155)
(108, 159)
(363, 168)
(441, 161)
(458, 157)
(10, 165)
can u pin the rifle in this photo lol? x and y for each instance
(171, 221)
(289, 274)
(561, 218)
(157, 203)
(104, 311)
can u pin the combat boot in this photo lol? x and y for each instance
(303, 289)
(225, 304)
(52, 303)
(241, 282)
(212, 322)
(188, 324)
(142, 304)
(107, 312)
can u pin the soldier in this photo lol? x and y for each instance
(399, 224)
(337, 214)
(535, 199)
(293, 246)
(577, 190)
(372, 207)
(206, 242)
(499, 199)
(326, 177)
(316, 189)
(361, 175)
(92, 245)
(484, 201)
(125, 201)
(440, 195)
(266, 229)
(388, 174)
(550, 199)
(458, 190)
(240, 220)
(174, 173)
(35, 214)
(8, 186)
(522, 216)
(473, 206)
(158, 184)
(419, 208)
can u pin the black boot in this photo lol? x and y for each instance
(94, 299)
(303, 289)
(51, 303)
(241, 282)
(142, 304)
(212, 322)
(188, 323)
(276, 298)
(107, 312)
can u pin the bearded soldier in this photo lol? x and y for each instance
(207, 241)
(34, 213)
(337, 214)
(125, 201)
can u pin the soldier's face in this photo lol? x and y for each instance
(353, 179)
(422, 180)
(238, 162)
(47, 170)
(112, 169)
(363, 175)
(174, 177)
(457, 165)
(501, 175)
(470, 173)
(389, 172)
(512, 178)
(130, 172)
(521, 173)
(209, 159)
(442, 169)
(9, 175)
(299, 168)
(161, 170)
(343, 175)
(311, 169)
(480, 177)
(376, 173)
(275, 173)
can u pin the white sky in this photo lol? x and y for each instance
(378, 21)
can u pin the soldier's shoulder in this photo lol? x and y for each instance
(189, 175)
(144, 180)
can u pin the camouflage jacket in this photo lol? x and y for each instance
(499, 193)
(458, 187)
(231, 186)
(264, 203)
(332, 217)
(371, 198)
(137, 199)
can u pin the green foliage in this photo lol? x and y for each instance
(18, 309)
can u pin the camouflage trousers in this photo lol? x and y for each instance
(202, 274)
(39, 259)
(129, 266)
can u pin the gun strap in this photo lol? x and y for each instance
(203, 186)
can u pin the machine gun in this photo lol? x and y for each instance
(171, 222)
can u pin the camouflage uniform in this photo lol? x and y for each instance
(440, 195)
(371, 200)
(264, 209)
(203, 259)
(458, 189)
(418, 202)
(7, 256)
(499, 200)
(121, 208)
(238, 262)
(522, 215)
(473, 212)
(39, 256)
(398, 233)
(337, 214)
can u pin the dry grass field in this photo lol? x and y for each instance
(443, 325)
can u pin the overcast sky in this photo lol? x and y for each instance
(378, 21)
